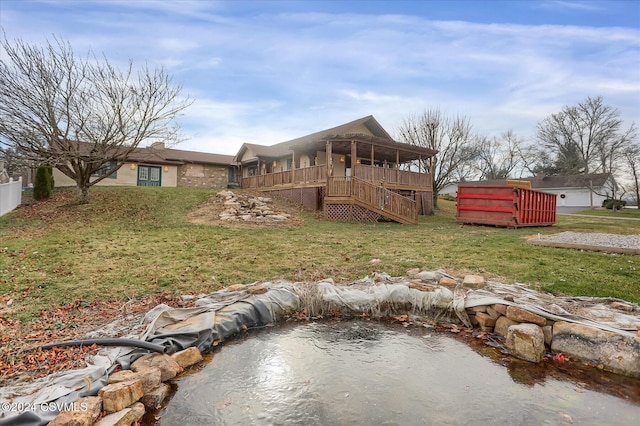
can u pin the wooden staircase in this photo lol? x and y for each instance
(374, 198)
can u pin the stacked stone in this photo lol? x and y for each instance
(130, 392)
(528, 336)
(246, 208)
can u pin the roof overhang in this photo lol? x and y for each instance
(383, 149)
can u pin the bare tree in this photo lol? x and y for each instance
(499, 158)
(81, 115)
(632, 156)
(584, 138)
(453, 139)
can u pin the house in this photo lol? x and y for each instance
(575, 192)
(354, 171)
(157, 165)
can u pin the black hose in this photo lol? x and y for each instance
(110, 342)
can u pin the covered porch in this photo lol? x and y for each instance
(368, 158)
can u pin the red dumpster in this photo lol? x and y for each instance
(505, 206)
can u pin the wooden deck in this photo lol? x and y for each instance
(372, 188)
(317, 176)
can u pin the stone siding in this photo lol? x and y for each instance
(203, 176)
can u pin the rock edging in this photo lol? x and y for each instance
(130, 393)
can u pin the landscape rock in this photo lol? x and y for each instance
(187, 357)
(169, 368)
(257, 289)
(522, 315)
(85, 411)
(547, 330)
(153, 399)
(117, 396)
(616, 352)
(236, 287)
(412, 272)
(72, 418)
(124, 417)
(481, 308)
(150, 377)
(250, 209)
(501, 309)
(427, 276)
(526, 341)
(419, 285)
(502, 326)
(473, 281)
(485, 320)
(448, 282)
(493, 313)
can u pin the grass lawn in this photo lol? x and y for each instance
(130, 243)
(633, 213)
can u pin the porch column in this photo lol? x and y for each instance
(372, 157)
(397, 158)
(329, 159)
(354, 155)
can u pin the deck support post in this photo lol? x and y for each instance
(329, 160)
(354, 157)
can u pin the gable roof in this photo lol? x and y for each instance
(598, 180)
(380, 136)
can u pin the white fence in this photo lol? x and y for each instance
(10, 196)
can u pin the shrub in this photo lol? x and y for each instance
(612, 204)
(42, 184)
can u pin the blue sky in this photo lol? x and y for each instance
(268, 71)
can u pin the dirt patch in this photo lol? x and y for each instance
(209, 212)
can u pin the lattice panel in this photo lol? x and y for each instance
(350, 213)
(360, 214)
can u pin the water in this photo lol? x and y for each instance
(368, 373)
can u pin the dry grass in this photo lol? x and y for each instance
(136, 242)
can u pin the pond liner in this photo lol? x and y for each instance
(223, 314)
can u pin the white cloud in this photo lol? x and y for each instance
(269, 77)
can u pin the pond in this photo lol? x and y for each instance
(360, 372)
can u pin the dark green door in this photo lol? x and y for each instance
(149, 176)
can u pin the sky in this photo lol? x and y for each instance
(269, 71)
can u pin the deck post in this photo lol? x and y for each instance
(329, 159)
(354, 156)
(372, 157)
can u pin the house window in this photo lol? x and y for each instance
(111, 166)
(149, 176)
(288, 163)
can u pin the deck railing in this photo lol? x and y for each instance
(392, 176)
(313, 174)
(318, 174)
(373, 196)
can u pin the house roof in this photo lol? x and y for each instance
(556, 182)
(179, 156)
(344, 133)
(158, 154)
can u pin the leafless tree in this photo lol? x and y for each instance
(453, 139)
(585, 138)
(632, 156)
(499, 158)
(81, 115)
